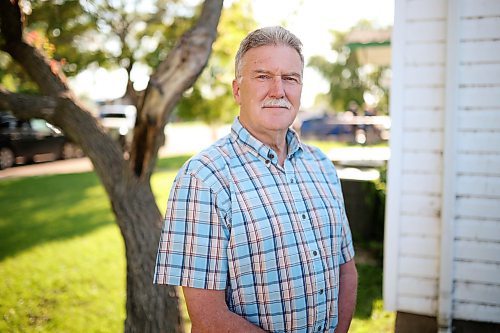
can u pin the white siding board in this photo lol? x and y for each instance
(476, 312)
(426, 10)
(479, 8)
(423, 97)
(429, 119)
(420, 246)
(479, 52)
(422, 184)
(418, 267)
(484, 164)
(419, 287)
(479, 230)
(425, 162)
(425, 31)
(423, 141)
(479, 142)
(479, 74)
(480, 28)
(425, 54)
(419, 226)
(420, 205)
(477, 272)
(483, 208)
(479, 119)
(394, 170)
(479, 97)
(478, 186)
(477, 293)
(448, 68)
(417, 305)
(478, 251)
(430, 75)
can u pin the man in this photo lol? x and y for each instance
(255, 230)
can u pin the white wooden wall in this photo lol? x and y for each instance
(442, 248)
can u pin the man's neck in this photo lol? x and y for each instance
(276, 140)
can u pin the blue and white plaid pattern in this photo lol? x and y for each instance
(273, 237)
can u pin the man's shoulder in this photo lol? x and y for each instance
(210, 165)
(313, 152)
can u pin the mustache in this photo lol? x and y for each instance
(276, 102)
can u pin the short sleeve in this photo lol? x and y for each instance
(193, 246)
(346, 247)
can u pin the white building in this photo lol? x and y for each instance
(442, 237)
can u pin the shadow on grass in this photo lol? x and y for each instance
(369, 289)
(35, 210)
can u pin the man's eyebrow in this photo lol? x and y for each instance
(263, 71)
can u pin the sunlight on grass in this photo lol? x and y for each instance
(380, 321)
(81, 278)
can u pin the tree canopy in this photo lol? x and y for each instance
(211, 98)
(351, 81)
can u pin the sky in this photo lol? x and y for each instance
(310, 20)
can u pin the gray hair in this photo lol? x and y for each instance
(267, 36)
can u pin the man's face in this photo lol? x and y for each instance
(269, 88)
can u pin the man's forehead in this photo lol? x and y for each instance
(271, 58)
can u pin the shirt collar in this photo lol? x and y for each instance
(251, 143)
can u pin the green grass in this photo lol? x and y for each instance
(62, 264)
(62, 261)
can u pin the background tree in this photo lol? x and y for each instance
(211, 98)
(349, 80)
(127, 182)
(52, 26)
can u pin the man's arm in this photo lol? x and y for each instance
(209, 313)
(348, 285)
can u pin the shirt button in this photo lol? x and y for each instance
(270, 155)
(315, 253)
(321, 292)
(303, 216)
(292, 180)
(319, 328)
(267, 162)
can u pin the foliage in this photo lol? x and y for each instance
(349, 81)
(370, 317)
(76, 34)
(52, 29)
(211, 99)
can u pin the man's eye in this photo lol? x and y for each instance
(263, 77)
(291, 79)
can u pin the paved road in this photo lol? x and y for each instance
(189, 139)
(47, 168)
(180, 140)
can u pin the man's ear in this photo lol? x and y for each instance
(236, 91)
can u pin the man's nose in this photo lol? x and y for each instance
(277, 90)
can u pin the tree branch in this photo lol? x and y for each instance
(28, 106)
(176, 74)
(50, 80)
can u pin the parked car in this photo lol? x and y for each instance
(347, 127)
(29, 141)
(324, 127)
(119, 122)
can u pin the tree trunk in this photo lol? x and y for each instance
(149, 308)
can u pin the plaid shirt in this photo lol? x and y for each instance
(273, 237)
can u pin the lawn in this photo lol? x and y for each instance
(62, 261)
